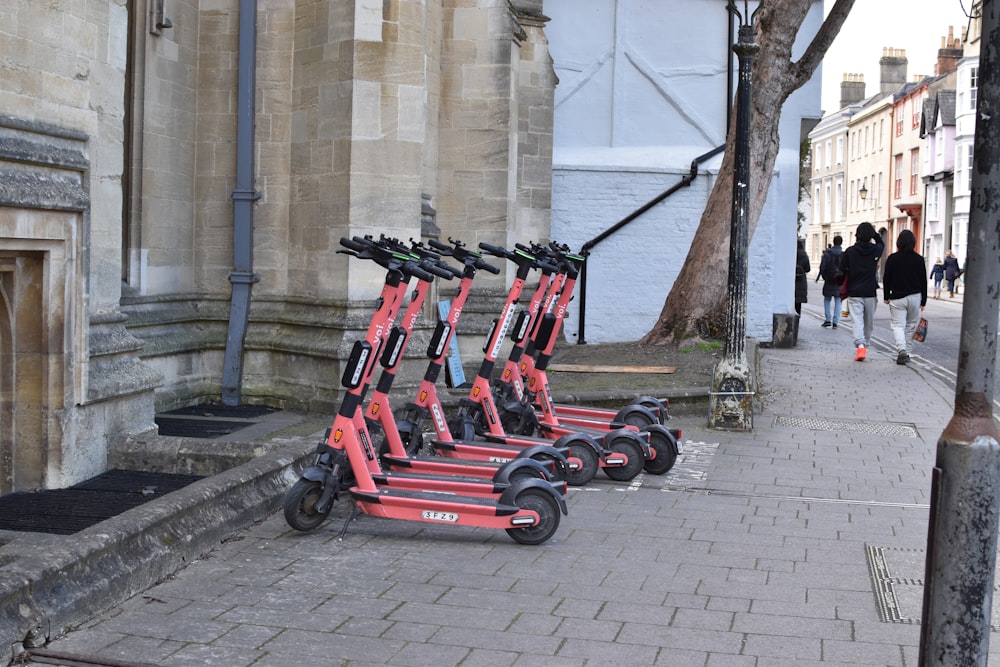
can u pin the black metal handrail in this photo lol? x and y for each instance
(589, 245)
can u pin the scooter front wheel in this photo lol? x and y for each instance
(300, 505)
(589, 463)
(636, 460)
(547, 509)
(666, 454)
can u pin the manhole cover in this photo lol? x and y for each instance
(66, 511)
(871, 428)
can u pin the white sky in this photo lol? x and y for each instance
(914, 25)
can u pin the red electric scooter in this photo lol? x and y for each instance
(528, 509)
(535, 411)
(619, 453)
(428, 405)
(401, 441)
(642, 411)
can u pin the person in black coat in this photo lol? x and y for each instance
(951, 272)
(801, 282)
(859, 263)
(905, 290)
(829, 270)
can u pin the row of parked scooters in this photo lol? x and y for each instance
(506, 458)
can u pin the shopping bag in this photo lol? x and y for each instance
(921, 333)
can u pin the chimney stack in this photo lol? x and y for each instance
(892, 66)
(852, 89)
(949, 54)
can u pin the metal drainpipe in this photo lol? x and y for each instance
(244, 195)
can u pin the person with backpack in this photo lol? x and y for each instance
(859, 263)
(829, 270)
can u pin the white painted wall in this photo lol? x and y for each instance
(642, 92)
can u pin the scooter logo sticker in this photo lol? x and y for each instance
(475, 392)
(439, 422)
(338, 434)
(423, 395)
(505, 324)
(506, 374)
(374, 408)
(447, 517)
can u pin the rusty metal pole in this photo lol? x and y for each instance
(731, 395)
(965, 494)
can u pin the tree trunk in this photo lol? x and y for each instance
(696, 305)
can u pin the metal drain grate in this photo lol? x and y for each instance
(871, 428)
(224, 411)
(66, 511)
(198, 428)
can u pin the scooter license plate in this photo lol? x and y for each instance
(680, 447)
(450, 517)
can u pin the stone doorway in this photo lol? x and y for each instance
(22, 372)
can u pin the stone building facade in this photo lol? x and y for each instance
(134, 218)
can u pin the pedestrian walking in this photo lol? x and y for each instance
(937, 273)
(829, 270)
(905, 291)
(859, 263)
(951, 272)
(801, 282)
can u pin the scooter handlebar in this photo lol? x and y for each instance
(481, 263)
(357, 244)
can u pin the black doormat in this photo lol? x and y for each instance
(66, 511)
(198, 428)
(226, 411)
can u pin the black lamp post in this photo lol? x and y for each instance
(731, 398)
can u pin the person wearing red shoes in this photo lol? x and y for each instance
(859, 264)
(905, 292)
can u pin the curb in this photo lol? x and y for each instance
(97, 568)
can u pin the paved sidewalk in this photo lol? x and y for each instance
(800, 543)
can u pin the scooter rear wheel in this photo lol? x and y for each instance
(636, 415)
(666, 454)
(300, 505)
(636, 460)
(547, 508)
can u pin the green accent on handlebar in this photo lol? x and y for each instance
(524, 254)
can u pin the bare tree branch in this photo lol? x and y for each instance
(802, 70)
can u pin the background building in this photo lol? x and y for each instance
(641, 97)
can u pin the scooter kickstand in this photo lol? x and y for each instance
(350, 517)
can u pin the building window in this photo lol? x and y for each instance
(933, 195)
(899, 124)
(840, 151)
(829, 151)
(914, 170)
(898, 169)
(968, 161)
(973, 87)
(915, 113)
